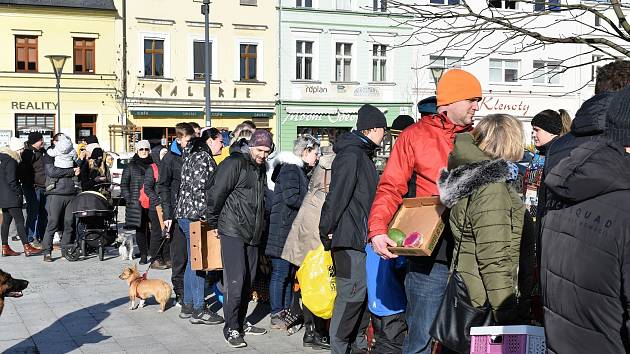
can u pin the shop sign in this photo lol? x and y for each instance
(331, 118)
(366, 91)
(167, 113)
(33, 106)
(315, 90)
(504, 105)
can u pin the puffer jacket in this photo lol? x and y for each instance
(169, 180)
(585, 243)
(32, 171)
(304, 234)
(352, 188)
(10, 189)
(150, 186)
(60, 181)
(197, 171)
(422, 149)
(236, 199)
(489, 219)
(130, 183)
(291, 185)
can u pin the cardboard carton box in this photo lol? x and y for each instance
(205, 248)
(424, 215)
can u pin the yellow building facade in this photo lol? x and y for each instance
(89, 89)
(165, 64)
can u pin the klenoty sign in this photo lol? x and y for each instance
(513, 106)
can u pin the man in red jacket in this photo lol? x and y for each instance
(416, 159)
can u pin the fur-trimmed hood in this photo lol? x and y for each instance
(464, 180)
(13, 154)
(282, 158)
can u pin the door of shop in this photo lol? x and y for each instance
(158, 135)
(35, 122)
(85, 125)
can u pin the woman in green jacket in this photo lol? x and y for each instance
(488, 216)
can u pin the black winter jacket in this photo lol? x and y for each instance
(585, 270)
(131, 182)
(170, 178)
(10, 189)
(237, 198)
(352, 189)
(60, 181)
(32, 171)
(197, 171)
(291, 185)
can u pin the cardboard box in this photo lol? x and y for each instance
(424, 215)
(205, 248)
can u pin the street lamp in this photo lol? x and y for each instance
(436, 72)
(58, 62)
(205, 10)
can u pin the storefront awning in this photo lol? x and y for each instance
(198, 113)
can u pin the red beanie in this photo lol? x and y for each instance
(457, 85)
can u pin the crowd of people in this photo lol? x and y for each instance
(538, 235)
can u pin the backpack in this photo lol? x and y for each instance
(144, 199)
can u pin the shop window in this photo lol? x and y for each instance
(43, 123)
(84, 55)
(154, 57)
(25, 54)
(199, 56)
(248, 62)
(546, 72)
(304, 3)
(504, 70)
(85, 126)
(303, 60)
(343, 62)
(344, 5)
(379, 5)
(379, 62)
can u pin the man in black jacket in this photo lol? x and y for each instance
(236, 211)
(33, 176)
(170, 174)
(585, 238)
(343, 226)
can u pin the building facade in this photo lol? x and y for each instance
(336, 55)
(86, 32)
(165, 65)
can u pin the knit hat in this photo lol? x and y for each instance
(370, 117)
(549, 121)
(618, 118)
(457, 85)
(400, 123)
(34, 137)
(261, 138)
(92, 139)
(96, 154)
(15, 144)
(62, 147)
(428, 105)
(143, 144)
(90, 147)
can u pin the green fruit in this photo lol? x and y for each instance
(397, 236)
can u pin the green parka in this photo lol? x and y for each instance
(489, 219)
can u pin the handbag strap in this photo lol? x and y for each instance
(459, 245)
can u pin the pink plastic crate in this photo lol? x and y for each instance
(507, 340)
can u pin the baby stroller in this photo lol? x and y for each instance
(95, 222)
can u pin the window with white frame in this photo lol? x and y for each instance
(344, 5)
(153, 57)
(248, 62)
(502, 4)
(379, 5)
(597, 63)
(546, 72)
(442, 2)
(303, 3)
(199, 56)
(542, 5)
(343, 62)
(379, 63)
(303, 60)
(445, 62)
(503, 70)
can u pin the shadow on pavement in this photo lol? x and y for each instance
(80, 327)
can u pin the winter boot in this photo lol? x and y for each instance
(7, 251)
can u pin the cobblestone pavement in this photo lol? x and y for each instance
(82, 307)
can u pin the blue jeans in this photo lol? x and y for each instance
(194, 281)
(36, 214)
(424, 286)
(281, 285)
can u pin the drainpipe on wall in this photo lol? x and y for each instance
(124, 74)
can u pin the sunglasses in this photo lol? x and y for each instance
(143, 149)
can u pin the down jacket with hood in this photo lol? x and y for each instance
(10, 188)
(197, 171)
(585, 270)
(495, 230)
(150, 179)
(290, 187)
(236, 199)
(131, 182)
(352, 188)
(304, 234)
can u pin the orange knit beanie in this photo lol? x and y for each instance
(457, 85)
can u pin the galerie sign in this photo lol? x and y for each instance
(504, 105)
